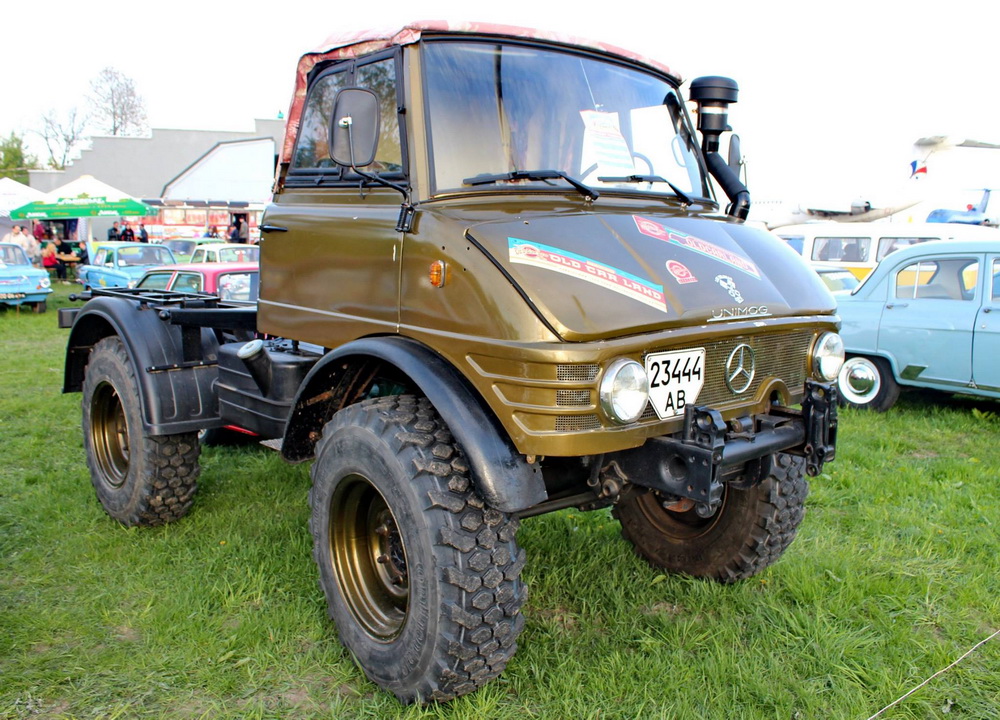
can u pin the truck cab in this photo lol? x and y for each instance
(497, 280)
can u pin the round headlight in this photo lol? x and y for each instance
(828, 356)
(44, 283)
(624, 391)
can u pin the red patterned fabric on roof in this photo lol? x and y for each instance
(356, 44)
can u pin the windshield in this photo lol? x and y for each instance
(496, 109)
(12, 255)
(144, 255)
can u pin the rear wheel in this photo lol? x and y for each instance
(421, 578)
(867, 383)
(139, 479)
(749, 531)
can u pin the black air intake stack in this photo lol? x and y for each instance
(714, 95)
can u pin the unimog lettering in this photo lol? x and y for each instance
(450, 379)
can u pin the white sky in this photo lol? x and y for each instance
(832, 94)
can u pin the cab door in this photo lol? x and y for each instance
(986, 340)
(330, 253)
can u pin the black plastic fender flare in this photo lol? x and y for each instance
(501, 474)
(175, 396)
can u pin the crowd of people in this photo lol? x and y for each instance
(127, 234)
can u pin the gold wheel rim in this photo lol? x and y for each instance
(109, 434)
(368, 557)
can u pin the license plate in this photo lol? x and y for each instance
(675, 380)
(11, 296)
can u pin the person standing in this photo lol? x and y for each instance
(126, 234)
(143, 235)
(245, 231)
(234, 234)
(14, 236)
(113, 232)
(31, 247)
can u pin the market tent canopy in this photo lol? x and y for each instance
(84, 197)
(14, 194)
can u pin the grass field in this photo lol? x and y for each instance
(895, 573)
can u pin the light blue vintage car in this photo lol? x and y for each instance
(927, 317)
(121, 264)
(20, 282)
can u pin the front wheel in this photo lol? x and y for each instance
(867, 383)
(421, 578)
(140, 479)
(748, 532)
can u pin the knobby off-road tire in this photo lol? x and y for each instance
(748, 532)
(421, 578)
(140, 479)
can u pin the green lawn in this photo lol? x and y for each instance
(895, 573)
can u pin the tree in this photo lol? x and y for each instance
(63, 134)
(118, 107)
(14, 159)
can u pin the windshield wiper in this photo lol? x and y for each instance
(533, 175)
(688, 199)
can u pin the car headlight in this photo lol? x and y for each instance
(827, 356)
(624, 391)
(43, 283)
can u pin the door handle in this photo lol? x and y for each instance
(273, 228)
(890, 306)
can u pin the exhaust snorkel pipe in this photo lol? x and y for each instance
(714, 95)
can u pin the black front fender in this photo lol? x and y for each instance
(503, 476)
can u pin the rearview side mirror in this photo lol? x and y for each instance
(354, 127)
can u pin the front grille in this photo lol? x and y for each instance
(780, 356)
(570, 398)
(577, 373)
(576, 423)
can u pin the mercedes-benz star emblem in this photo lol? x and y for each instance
(740, 368)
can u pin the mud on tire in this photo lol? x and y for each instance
(749, 532)
(421, 578)
(139, 479)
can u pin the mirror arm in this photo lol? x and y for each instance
(404, 223)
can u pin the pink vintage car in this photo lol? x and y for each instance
(228, 280)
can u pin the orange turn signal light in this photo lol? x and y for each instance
(438, 273)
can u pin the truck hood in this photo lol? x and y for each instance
(596, 275)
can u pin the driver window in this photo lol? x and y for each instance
(380, 78)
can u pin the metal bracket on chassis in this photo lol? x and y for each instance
(819, 412)
(689, 467)
(694, 466)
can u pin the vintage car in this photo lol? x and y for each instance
(20, 282)
(229, 280)
(927, 317)
(226, 252)
(121, 264)
(859, 247)
(183, 248)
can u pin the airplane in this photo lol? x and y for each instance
(777, 213)
(972, 215)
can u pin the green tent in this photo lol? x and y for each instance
(83, 198)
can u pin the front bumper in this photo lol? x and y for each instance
(711, 452)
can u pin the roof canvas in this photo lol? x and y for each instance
(356, 44)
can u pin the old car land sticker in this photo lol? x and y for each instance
(567, 263)
(681, 274)
(702, 247)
